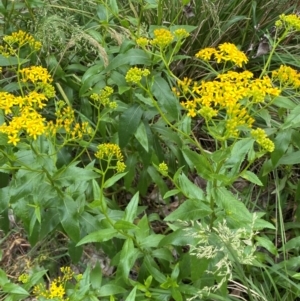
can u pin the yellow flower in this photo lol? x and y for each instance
(206, 54)
(35, 74)
(143, 42)
(181, 33)
(287, 77)
(135, 74)
(291, 22)
(109, 150)
(163, 168)
(162, 38)
(22, 38)
(261, 138)
(120, 166)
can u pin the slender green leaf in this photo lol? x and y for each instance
(98, 236)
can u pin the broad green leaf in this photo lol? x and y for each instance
(189, 210)
(153, 270)
(251, 177)
(151, 241)
(177, 238)
(124, 225)
(111, 289)
(131, 296)
(293, 243)
(163, 253)
(96, 276)
(15, 289)
(199, 162)
(141, 136)
(282, 142)
(267, 244)
(113, 5)
(237, 215)
(284, 102)
(189, 189)
(112, 180)
(293, 119)
(290, 158)
(3, 278)
(69, 218)
(157, 179)
(165, 97)
(98, 236)
(128, 124)
(71, 174)
(9, 61)
(131, 208)
(171, 193)
(128, 257)
(131, 57)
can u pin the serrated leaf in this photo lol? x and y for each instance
(189, 210)
(290, 158)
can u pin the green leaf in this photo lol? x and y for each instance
(152, 268)
(199, 162)
(189, 189)
(293, 243)
(131, 57)
(165, 97)
(189, 210)
(111, 289)
(293, 119)
(98, 236)
(111, 181)
(151, 241)
(177, 238)
(124, 225)
(96, 276)
(237, 214)
(131, 208)
(267, 244)
(15, 289)
(114, 7)
(284, 102)
(69, 218)
(128, 257)
(10, 61)
(129, 122)
(171, 193)
(131, 296)
(251, 177)
(141, 136)
(290, 158)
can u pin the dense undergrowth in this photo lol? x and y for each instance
(149, 150)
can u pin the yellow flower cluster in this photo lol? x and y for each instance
(287, 77)
(135, 74)
(224, 53)
(109, 151)
(291, 22)
(163, 37)
(56, 289)
(261, 138)
(142, 42)
(22, 38)
(163, 168)
(103, 97)
(66, 123)
(35, 74)
(232, 93)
